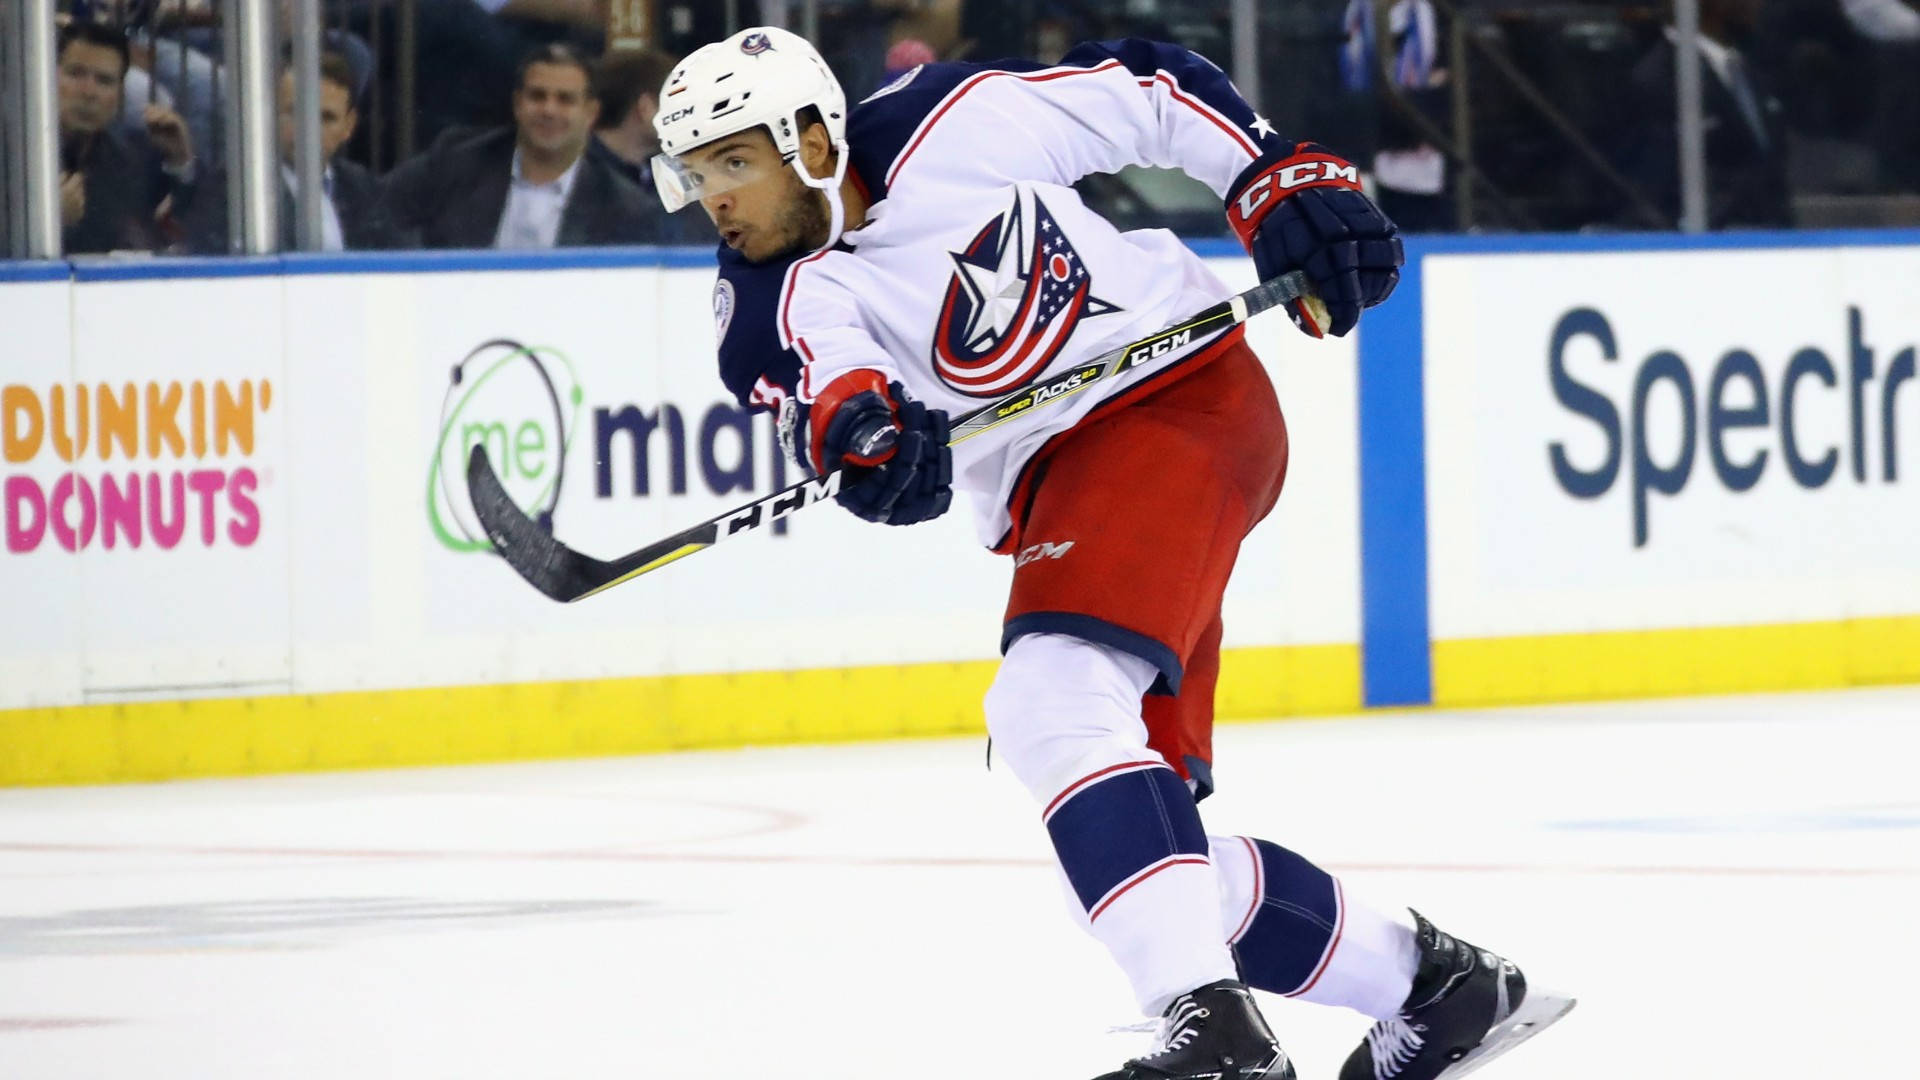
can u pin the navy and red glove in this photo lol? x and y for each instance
(1307, 212)
(894, 449)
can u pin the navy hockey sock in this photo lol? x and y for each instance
(1294, 931)
(1287, 937)
(1113, 831)
(1130, 842)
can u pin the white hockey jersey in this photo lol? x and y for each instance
(979, 269)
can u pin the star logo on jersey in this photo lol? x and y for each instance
(1013, 301)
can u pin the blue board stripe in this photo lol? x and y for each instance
(418, 262)
(1578, 243)
(156, 267)
(92, 268)
(163, 267)
(32, 271)
(1396, 662)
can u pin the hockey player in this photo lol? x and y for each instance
(885, 266)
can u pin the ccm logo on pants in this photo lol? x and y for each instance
(1041, 551)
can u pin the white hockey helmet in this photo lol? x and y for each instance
(760, 77)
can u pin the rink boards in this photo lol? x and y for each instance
(236, 539)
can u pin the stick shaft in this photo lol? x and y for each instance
(567, 575)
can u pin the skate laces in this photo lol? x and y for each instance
(1393, 1043)
(1177, 1028)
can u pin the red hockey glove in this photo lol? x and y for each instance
(894, 449)
(1307, 212)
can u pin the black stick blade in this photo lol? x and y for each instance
(548, 565)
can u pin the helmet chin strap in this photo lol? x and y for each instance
(836, 207)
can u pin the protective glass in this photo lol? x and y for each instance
(700, 174)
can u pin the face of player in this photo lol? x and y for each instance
(772, 214)
(337, 118)
(553, 110)
(89, 87)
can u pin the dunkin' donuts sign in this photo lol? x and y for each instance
(147, 464)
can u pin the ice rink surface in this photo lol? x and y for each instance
(1729, 885)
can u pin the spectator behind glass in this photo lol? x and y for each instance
(531, 185)
(854, 36)
(903, 56)
(351, 215)
(628, 82)
(463, 63)
(1410, 173)
(1874, 75)
(1746, 141)
(109, 189)
(173, 73)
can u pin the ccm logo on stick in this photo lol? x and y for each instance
(781, 505)
(1160, 348)
(1735, 394)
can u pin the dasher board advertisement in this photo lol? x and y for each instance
(1647, 440)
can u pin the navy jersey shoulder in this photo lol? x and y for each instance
(746, 299)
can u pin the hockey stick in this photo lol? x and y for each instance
(566, 575)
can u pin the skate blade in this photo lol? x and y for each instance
(1536, 1013)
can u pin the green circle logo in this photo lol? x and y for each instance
(523, 403)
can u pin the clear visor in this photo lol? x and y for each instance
(687, 178)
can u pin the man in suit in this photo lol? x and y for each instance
(531, 185)
(351, 215)
(109, 188)
(628, 82)
(1745, 137)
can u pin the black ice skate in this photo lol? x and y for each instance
(1213, 1033)
(1467, 1007)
